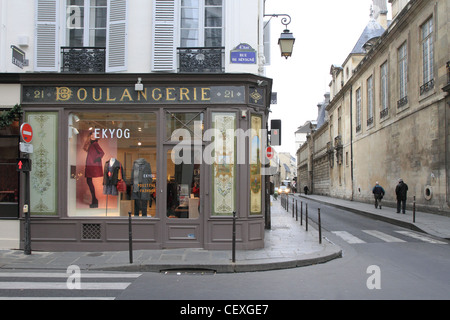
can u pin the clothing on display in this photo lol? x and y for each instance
(141, 179)
(111, 176)
(93, 167)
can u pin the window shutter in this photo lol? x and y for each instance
(116, 51)
(46, 43)
(163, 44)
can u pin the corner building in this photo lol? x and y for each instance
(135, 106)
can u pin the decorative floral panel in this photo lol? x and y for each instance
(255, 166)
(224, 174)
(43, 177)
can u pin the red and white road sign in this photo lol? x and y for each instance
(26, 132)
(270, 153)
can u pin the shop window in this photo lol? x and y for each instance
(183, 126)
(9, 178)
(183, 184)
(105, 149)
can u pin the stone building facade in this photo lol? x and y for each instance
(389, 116)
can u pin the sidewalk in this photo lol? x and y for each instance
(433, 224)
(287, 245)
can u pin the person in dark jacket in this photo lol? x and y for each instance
(94, 167)
(401, 191)
(378, 193)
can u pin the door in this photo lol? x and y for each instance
(182, 194)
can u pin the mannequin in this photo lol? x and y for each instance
(111, 176)
(141, 179)
(93, 165)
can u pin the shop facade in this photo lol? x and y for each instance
(181, 154)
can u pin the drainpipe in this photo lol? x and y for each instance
(351, 139)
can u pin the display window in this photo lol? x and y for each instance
(112, 164)
(9, 178)
(183, 184)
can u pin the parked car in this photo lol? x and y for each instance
(283, 189)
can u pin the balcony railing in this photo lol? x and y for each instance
(83, 59)
(201, 60)
(427, 87)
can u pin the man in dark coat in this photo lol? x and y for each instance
(378, 193)
(401, 191)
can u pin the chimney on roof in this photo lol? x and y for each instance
(380, 12)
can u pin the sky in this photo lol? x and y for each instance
(325, 31)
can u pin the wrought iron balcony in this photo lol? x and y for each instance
(83, 59)
(427, 87)
(201, 60)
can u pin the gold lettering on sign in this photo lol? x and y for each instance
(142, 94)
(205, 92)
(94, 95)
(108, 97)
(63, 94)
(184, 93)
(126, 94)
(169, 93)
(82, 91)
(155, 96)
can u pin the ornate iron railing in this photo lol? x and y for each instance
(402, 102)
(83, 59)
(384, 113)
(201, 60)
(427, 87)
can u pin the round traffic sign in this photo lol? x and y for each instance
(26, 132)
(269, 153)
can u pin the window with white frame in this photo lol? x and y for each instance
(358, 110)
(384, 90)
(201, 23)
(427, 51)
(370, 101)
(403, 73)
(86, 23)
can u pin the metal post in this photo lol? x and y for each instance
(130, 237)
(296, 210)
(320, 228)
(27, 245)
(233, 249)
(292, 207)
(301, 213)
(306, 216)
(414, 210)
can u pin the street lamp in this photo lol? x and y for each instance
(287, 40)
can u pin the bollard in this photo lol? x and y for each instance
(296, 210)
(320, 228)
(292, 207)
(130, 238)
(233, 246)
(306, 217)
(414, 210)
(301, 213)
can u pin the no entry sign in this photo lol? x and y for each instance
(269, 153)
(26, 132)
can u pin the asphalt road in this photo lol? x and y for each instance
(380, 262)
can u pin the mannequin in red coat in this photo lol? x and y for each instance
(94, 167)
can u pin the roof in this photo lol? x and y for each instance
(372, 30)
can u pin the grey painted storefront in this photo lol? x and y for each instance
(130, 125)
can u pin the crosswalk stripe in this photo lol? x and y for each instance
(66, 275)
(348, 237)
(383, 236)
(62, 285)
(420, 237)
(54, 298)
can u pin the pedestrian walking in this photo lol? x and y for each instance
(401, 191)
(306, 189)
(378, 193)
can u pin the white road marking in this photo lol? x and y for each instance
(383, 236)
(421, 237)
(348, 237)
